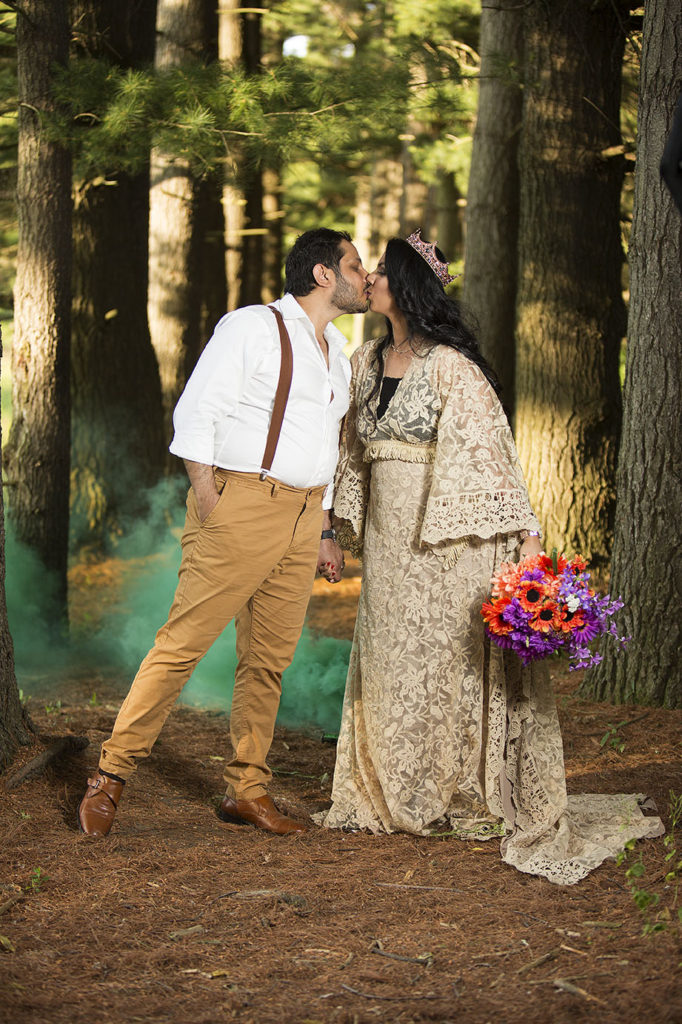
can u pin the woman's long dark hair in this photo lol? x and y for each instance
(430, 314)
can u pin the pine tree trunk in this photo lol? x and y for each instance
(14, 727)
(492, 216)
(647, 554)
(177, 217)
(240, 43)
(272, 219)
(212, 272)
(570, 313)
(118, 444)
(38, 449)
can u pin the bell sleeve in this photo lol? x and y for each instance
(477, 489)
(351, 483)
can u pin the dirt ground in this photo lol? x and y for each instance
(179, 918)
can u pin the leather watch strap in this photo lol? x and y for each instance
(281, 395)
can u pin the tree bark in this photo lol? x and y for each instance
(118, 444)
(38, 449)
(571, 313)
(14, 725)
(240, 42)
(178, 215)
(647, 554)
(492, 213)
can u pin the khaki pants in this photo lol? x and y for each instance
(253, 558)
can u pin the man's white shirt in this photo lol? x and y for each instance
(223, 415)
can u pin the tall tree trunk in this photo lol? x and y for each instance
(118, 444)
(571, 315)
(647, 553)
(178, 215)
(14, 726)
(240, 42)
(272, 220)
(212, 271)
(492, 217)
(38, 449)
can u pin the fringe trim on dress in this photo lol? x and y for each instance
(403, 451)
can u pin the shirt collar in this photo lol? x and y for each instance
(292, 310)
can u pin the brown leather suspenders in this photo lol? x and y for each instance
(281, 395)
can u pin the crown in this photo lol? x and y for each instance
(427, 251)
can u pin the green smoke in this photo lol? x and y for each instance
(312, 690)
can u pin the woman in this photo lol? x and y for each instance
(441, 731)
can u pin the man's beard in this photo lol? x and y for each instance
(346, 298)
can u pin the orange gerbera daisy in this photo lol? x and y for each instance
(492, 614)
(546, 616)
(531, 594)
(567, 620)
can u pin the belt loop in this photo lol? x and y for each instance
(275, 489)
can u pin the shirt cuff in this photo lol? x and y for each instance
(192, 449)
(328, 497)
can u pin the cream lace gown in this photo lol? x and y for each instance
(441, 731)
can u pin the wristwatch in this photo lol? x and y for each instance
(329, 534)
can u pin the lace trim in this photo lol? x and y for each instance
(403, 451)
(482, 514)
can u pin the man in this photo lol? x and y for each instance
(251, 541)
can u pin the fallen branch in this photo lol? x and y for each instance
(429, 888)
(566, 986)
(424, 961)
(8, 904)
(58, 748)
(550, 955)
(370, 995)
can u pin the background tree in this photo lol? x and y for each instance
(179, 217)
(14, 726)
(118, 444)
(492, 212)
(570, 308)
(38, 449)
(647, 553)
(240, 45)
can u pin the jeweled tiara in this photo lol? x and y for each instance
(427, 251)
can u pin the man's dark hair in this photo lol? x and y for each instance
(320, 245)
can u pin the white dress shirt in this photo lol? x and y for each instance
(223, 415)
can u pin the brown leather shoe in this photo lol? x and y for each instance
(260, 812)
(98, 807)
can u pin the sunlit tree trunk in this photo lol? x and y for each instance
(240, 42)
(14, 726)
(38, 449)
(186, 34)
(491, 252)
(570, 307)
(272, 221)
(118, 444)
(647, 553)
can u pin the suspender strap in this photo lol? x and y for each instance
(281, 395)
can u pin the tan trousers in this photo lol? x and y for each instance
(253, 558)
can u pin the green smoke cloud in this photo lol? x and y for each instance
(312, 688)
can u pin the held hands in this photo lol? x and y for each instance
(330, 561)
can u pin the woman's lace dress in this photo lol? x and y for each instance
(442, 731)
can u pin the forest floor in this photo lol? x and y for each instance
(179, 918)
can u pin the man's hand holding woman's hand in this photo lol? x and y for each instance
(330, 561)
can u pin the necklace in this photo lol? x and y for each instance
(399, 349)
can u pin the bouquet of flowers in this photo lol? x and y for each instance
(543, 604)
